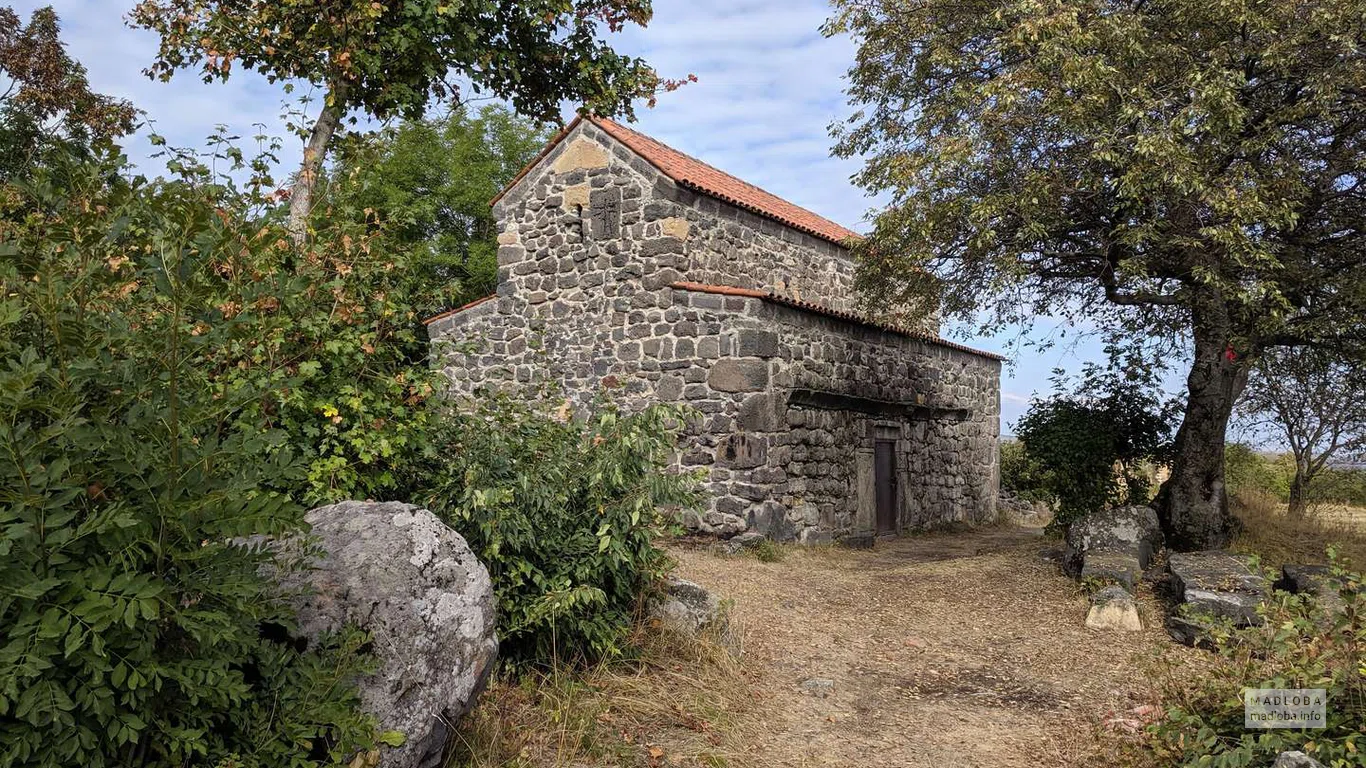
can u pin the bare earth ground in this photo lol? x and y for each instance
(962, 649)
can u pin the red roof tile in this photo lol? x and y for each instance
(697, 175)
(700, 177)
(820, 309)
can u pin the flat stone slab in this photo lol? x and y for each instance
(1219, 584)
(1112, 568)
(1113, 610)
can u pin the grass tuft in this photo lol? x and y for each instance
(674, 705)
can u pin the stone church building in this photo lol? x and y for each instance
(625, 262)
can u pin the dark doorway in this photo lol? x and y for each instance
(884, 478)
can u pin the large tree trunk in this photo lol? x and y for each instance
(301, 194)
(1193, 503)
(1299, 490)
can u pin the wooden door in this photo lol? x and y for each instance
(884, 479)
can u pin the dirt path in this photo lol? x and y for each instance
(962, 649)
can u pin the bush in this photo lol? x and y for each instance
(1302, 644)
(564, 513)
(137, 448)
(1090, 447)
(1247, 471)
(1021, 475)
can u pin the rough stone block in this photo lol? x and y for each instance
(770, 519)
(1112, 567)
(742, 451)
(1218, 583)
(675, 227)
(752, 342)
(738, 375)
(1113, 609)
(580, 154)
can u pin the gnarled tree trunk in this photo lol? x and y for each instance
(1193, 503)
(301, 194)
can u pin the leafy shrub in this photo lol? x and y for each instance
(564, 513)
(1248, 471)
(1090, 445)
(1302, 644)
(1339, 486)
(1021, 475)
(137, 449)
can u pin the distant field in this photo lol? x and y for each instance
(1338, 514)
(1278, 538)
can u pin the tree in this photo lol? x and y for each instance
(1317, 404)
(47, 99)
(1178, 169)
(1088, 442)
(427, 184)
(391, 58)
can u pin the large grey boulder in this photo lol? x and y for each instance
(1215, 583)
(1315, 580)
(1296, 760)
(399, 573)
(686, 607)
(1132, 531)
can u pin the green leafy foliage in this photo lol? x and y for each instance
(1022, 475)
(1305, 642)
(1168, 172)
(426, 186)
(1086, 447)
(393, 57)
(138, 453)
(565, 513)
(1249, 471)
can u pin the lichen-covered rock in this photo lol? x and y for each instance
(1131, 530)
(1316, 580)
(402, 575)
(1022, 512)
(1113, 609)
(686, 607)
(1217, 584)
(740, 543)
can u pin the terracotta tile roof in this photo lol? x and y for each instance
(458, 310)
(820, 309)
(700, 177)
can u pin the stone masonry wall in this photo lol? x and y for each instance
(799, 471)
(592, 239)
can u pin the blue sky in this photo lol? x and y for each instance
(769, 86)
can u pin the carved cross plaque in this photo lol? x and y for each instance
(605, 208)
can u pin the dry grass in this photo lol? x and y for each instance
(674, 706)
(1279, 538)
